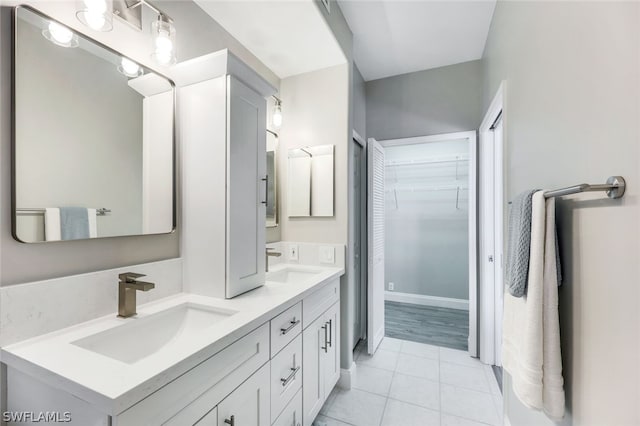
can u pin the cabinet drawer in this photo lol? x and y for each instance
(292, 414)
(188, 398)
(286, 376)
(318, 302)
(285, 327)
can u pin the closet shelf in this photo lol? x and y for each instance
(418, 162)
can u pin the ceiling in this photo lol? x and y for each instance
(394, 37)
(289, 37)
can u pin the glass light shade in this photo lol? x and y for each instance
(60, 35)
(277, 115)
(95, 14)
(164, 41)
(129, 68)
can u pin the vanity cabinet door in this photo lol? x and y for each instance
(246, 188)
(313, 344)
(249, 404)
(211, 419)
(332, 355)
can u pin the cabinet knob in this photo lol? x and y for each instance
(231, 421)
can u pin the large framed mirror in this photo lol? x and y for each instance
(93, 148)
(311, 181)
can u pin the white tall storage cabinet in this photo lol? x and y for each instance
(222, 109)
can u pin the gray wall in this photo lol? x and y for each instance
(68, 154)
(19, 263)
(359, 103)
(440, 100)
(572, 114)
(426, 236)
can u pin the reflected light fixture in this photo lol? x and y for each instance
(129, 68)
(276, 118)
(95, 14)
(60, 35)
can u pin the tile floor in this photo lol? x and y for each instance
(414, 384)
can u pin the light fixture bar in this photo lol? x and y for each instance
(130, 11)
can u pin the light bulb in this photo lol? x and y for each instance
(163, 41)
(277, 116)
(129, 68)
(95, 20)
(59, 33)
(96, 14)
(96, 6)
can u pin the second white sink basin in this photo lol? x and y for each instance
(140, 337)
(292, 274)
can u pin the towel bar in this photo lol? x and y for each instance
(99, 212)
(614, 188)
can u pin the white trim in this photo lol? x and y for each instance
(346, 377)
(421, 299)
(472, 341)
(507, 422)
(472, 304)
(359, 139)
(488, 334)
(427, 139)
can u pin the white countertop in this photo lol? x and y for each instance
(112, 386)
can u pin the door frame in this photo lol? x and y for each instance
(491, 295)
(473, 219)
(362, 301)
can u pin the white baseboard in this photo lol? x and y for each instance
(419, 299)
(346, 377)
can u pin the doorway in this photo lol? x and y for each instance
(428, 225)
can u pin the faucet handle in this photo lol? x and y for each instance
(130, 277)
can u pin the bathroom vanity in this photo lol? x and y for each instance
(268, 357)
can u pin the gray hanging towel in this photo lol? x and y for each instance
(74, 223)
(519, 244)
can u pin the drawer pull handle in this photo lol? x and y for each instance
(292, 323)
(330, 343)
(231, 422)
(294, 371)
(326, 344)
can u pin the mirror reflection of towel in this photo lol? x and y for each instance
(70, 223)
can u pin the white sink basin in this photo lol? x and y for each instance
(292, 274)
(140, 337)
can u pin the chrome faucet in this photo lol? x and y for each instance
(268, 252)
(127, 288)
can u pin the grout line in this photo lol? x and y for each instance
(440, 385)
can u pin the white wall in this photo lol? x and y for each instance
(572, 116)
(426, 232)
(315, 111)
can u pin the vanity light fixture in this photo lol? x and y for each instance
(95, 14)
(164, 40)
(60, 35)
(129, 68)
(98, 15)
(276, 118)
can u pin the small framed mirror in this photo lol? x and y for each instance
(311, 181)
(94, 138)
